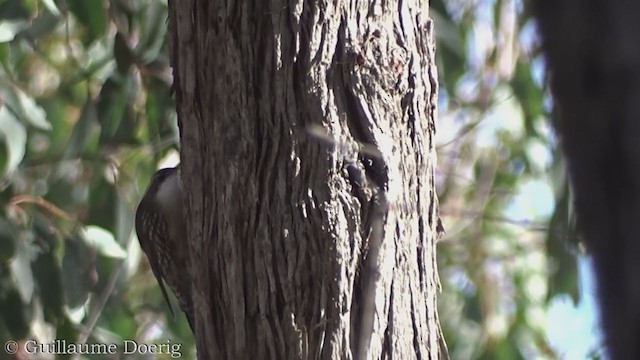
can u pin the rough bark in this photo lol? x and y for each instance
(593, 51)
(308, 164)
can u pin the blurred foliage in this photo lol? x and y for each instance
(511, 244)
(86, 116)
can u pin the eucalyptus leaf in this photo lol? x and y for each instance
(51, 6)
(7, 240)
(93, 15)
(15, 314)
(78, 271)
(155, 35)
(26, 108)
(103, 241)
(10, 28)
(82, 130)
(20, 267)
(43, 25)
(15, 137)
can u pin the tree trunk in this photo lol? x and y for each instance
(593, 52)
(308, 164)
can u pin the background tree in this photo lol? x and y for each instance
(88, 115)
(308, 163)
(594, 61)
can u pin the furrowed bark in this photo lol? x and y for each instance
(308, 162)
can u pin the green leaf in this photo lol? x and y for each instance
(155, 32)
(15, 314)
(10, 28)
(103, 197)
(4, 55)
(528, 94)
(51, 6)
(47, 275)
(7, 240)
(103, 241)
(562, 235)
(122, 52)
(115, 109)
(15, 9)
(83, 130)
(26, 108)
(78, 273)
(43, 25)
(91, 14)
(15, 138)
(46, 269)
(67, 330)
(21, 271)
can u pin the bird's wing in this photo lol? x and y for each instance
(149, 241)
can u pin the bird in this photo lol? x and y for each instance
(161, 230)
